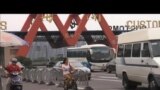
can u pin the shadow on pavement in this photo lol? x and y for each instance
(140, 88)
(89, 88)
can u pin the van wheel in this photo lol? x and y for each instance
(128, 85)
(152, 84)
(92, 70)
(108, 70)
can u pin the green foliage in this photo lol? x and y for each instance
(56, 59)
(41, 61)
(27, 62)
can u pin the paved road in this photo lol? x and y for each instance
(99, 81)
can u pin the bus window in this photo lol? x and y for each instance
(155, 48)
(127, 52)
(76, 53)
(120, 51)
(136, 50)
(145, 51)
(100, 54)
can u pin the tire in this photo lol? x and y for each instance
(152, 84)
(127, 84)
(92, 70)
(89, 78)
(75, 86)
(16, 87)
(65, 87)
(108, 70)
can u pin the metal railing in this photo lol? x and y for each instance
(51, 76)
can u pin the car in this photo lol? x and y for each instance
(86, 64)
(111, 66)
(76, 65)
(50, 64)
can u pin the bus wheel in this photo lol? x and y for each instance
(152, 84)
(128, 85)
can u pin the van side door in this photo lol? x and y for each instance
(133, 63)
(140, 62)
(145, 59)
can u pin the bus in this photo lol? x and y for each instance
(97, 55)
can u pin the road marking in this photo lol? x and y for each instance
(106, 80)
(108, 77)
(81, 88)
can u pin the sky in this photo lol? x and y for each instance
(16, 21)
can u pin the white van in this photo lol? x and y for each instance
(138, 58)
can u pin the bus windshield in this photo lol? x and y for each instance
(76, 64)
(100, 54)
(155, 48)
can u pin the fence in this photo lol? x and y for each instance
(53, 76)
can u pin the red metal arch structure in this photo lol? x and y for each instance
(63, 29)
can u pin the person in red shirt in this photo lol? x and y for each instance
(13, 67)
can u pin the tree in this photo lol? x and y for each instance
(27, 62)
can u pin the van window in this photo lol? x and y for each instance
(136, 50)
(120, 51)
(145, 51)
(156, 48)
(127, 52)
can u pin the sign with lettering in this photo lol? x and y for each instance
(3, 25)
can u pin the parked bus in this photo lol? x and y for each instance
(138, 58)
(96, 54)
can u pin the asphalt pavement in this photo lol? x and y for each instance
(99, 81)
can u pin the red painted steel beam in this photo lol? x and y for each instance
(108, 32)
(28, 22)
(63, 29)
(73, 40)
(77, 19)
(30, 36)
(70, 40)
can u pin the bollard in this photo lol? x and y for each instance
(27, 75)
(48, 76)
(39, 77)
(54, 76)
(32, 75)
(23, 75)
(57, 76)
